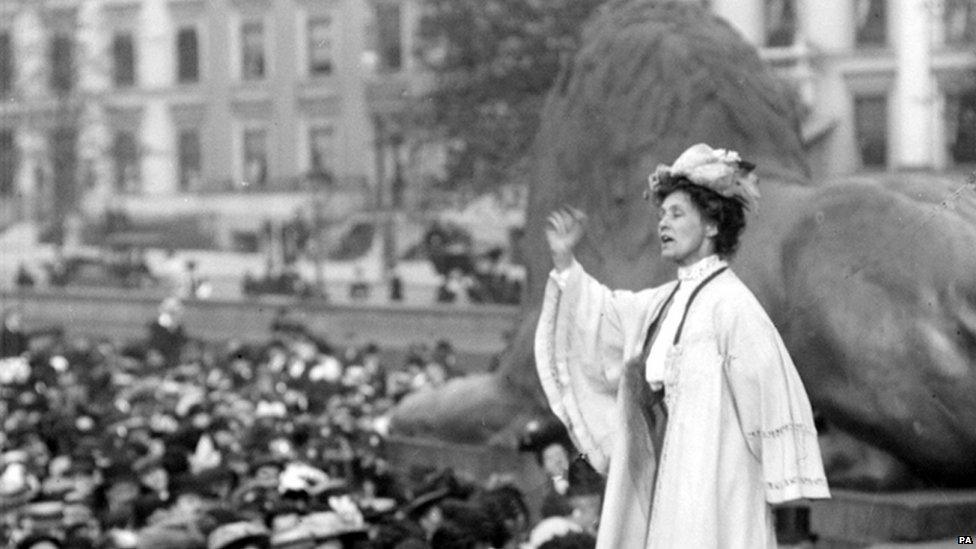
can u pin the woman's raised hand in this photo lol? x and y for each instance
(564, 229)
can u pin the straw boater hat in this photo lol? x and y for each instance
(328, 525)
(17, 486)
(235, 535)
(46, 515)
(298, 537)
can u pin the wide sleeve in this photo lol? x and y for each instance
(771, 403)
(584, 334)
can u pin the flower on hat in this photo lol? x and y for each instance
(720, 170)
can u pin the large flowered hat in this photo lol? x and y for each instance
(720, 170)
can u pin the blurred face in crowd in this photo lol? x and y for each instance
(12, 322)
(156, 479)
(189, 503)
(121, 493)
(586, 511)
(201, 420)
(555, 460)
(431, 520)
(267, 473)
(436, 374)
(283, 521)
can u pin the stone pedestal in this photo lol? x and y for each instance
(863, 519)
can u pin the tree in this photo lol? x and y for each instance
(493, 63)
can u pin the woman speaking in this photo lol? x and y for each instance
(683, 395)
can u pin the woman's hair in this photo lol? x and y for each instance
(727, 213)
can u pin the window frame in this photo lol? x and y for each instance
(795, 24)
(885, 41)
(309, 20)
(8, 63)
(56, 60)
(185, 185)
(14, 157)
(240, 154)
(381, 65)
(198, 60)
(306, 141)
(119, 182)
(133, 60)
(885, 97)
(968, 40)
(266, 50)
(951, 107)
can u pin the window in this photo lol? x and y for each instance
(8, 162)
(320, 46)
(871, 129)
(61, 63)
(960, 22)
(388, 36)
(190, 160)
(124, 60)
(125, 156)
(780, 17)
(255, 157)
(961, 127)
(321, 142)
(6, 64)
(63, 155)
(871, 21)
(252, 51)
(187, 56)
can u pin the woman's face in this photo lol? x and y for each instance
(686, 235)
(555, 460)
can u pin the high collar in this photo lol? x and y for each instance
(701, 269)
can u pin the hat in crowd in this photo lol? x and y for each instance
(17, 486)
(171, 536)
(419, 505)
(46, 515)
(77, 513)
(294, 538)
(14, 456)
(551, 528)
(57, 487)
(236, 535)
(326, 525)
(538, 434)
(39, 540)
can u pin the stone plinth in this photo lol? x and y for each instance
(862, 519)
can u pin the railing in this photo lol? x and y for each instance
(295, 184)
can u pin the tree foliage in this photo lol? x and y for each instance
(493, 63)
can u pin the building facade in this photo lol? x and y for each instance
(237, 107)
(885, 84)
(242, 108)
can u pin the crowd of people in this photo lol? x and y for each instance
(170, 442)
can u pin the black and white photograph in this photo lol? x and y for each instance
(487, 274)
